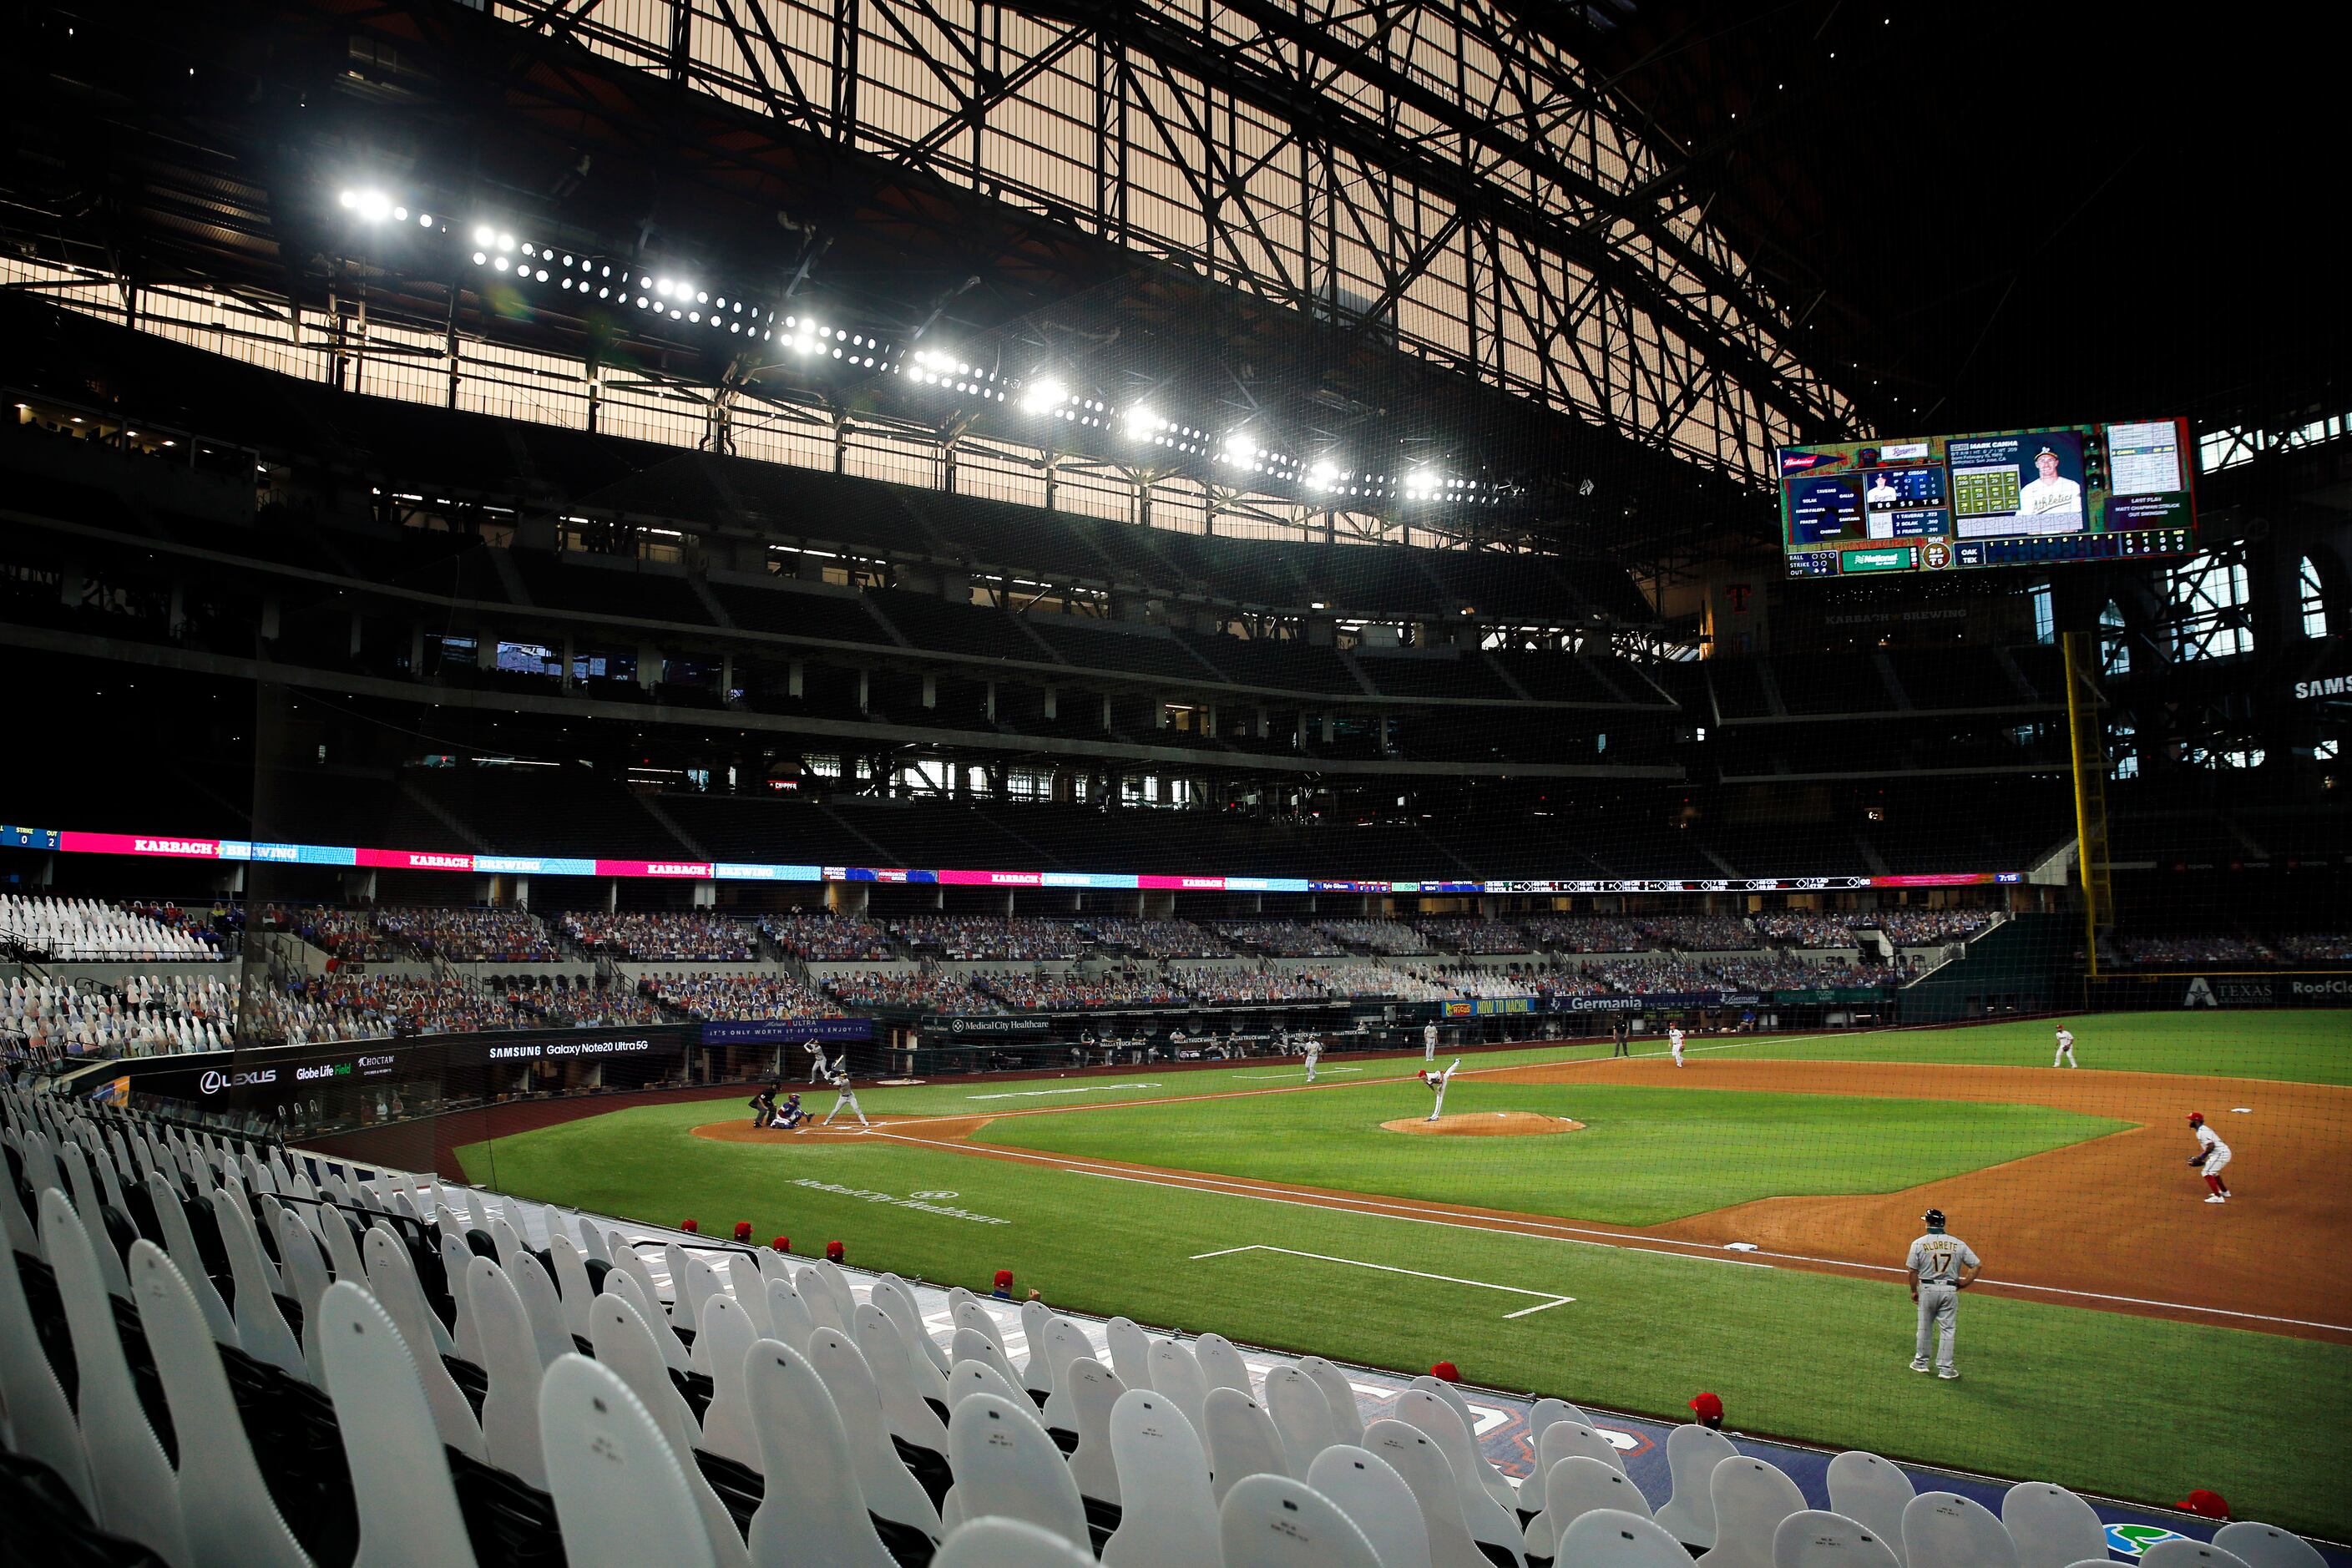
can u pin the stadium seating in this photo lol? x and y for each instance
(81, 930)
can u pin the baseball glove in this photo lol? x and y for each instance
(2200, 1157)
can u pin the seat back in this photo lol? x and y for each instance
(1692, 1453)
(892, 1363)
(2266, 1545)
(971, 1345)
(261, 1330)
(1221, 1364)
(620, 1494)
(304, 1273)
(1872, 1493)
(1274, 1522)
(1093, 1390)
(703, 1285)
(1608, 1539)
(400, 1479)
(1008, 1543)
(1944, 1530)
(891, 1491)
(457, 1259)
(834, 1285)
(89, 1205)
(1130, 1352)
(536, 1290)
(181, 1242)
(890, 1294)
(137, 1493)
(1414, 1454)
(1367, 1490)
(1005, 1464)
(789, 1318)
(2050, 1526)
(1301, 1415)
(2188, 1555)
(1168, 1512)
(572, 1284)
(814, 1510)
(1815, 1537)
(626, 1344)
(1490, 1522)
(1175, 1373)
(1065, 1343)
(1751, 1498)
(225, 1506)
(510, 1361)
(726, 1338)
(1574, 1486)
(623, 1284)
(1347, 1416)
(41, 1423)
(969, 1313)
(750, 1291)
(335, 1227)
(1240, 1439)
(1036, 1366)
(972, 1377)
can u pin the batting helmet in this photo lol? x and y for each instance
(2195, 1119)
(1933, 1217)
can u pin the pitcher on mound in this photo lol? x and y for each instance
(1437, 1082)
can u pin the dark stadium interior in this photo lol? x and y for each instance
(1066, 525)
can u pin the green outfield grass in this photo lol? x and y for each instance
(2309, 1046)
(1646, 1154)
(2135, 1406)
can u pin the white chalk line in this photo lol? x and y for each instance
(1039, 1093)
(1548, 1299)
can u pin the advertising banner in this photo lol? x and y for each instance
(992, 1028)
(773, 1031)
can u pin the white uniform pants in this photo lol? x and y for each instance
(846, 1102)
(1428, 1047)
(2214, 1161)
(1676, 1045)
(1939, 1307)
(1439, 1109)
(2065, 1054)
(1312, 1059)
(816, 1067)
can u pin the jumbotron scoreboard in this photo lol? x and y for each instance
(2005, 497)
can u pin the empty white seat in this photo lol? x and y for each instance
(1607, 1539)
(261, 1329)
(726, 1338)
(1301, 1415)
(334, 1229)
(1036, 1365)
(620, 1495)
(41, 1423)
(1490, 1522)
(812, 1509)
(1274, 1522)
(2050, 1526)
(1812, 1537)
(536, 1290)
(224, 1505)
(1574, 1486)
(624, 1343)
(572, 1284)
(1498, 1486)
(999, 1542)
(1065, 1343)
(1415, 1457)
(1944, 1530)
(789, 1318)
(180, 1241)
(88, 1204)
(456, 1262)
(1751, 1498)
(1221, 1364)
(968, 1313)
(510, 1363)
(400, 1481)
(1093, 1391)
(2266, 1545)
(138, 1495)
(627, 1286)
(1005, 1464)
(891, 1491)
(1872, 1493)
(971, 1345)
(1176, 1374)
(2188, 1555)
(750, 1290)
(1346, 1414)
(1692, 1453)
(704, 1285)
(1130, 1351)
(1240, 1439)
(304, 1273)
(893, 1363)
(1168, 1510)
(889, 1292)
(831, 1286)
(1368, 1490)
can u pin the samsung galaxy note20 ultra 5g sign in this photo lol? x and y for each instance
(2006, 497)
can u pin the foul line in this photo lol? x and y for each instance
(1550, 1299)
(1040, 1093)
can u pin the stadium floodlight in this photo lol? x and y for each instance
(1044, 396)
(1143, 420)
(1239, 449)
(485, 236)
(367, 205)
(506, 242)
(1422, 483)
(1323, 475)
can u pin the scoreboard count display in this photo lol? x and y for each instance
(2005, 497)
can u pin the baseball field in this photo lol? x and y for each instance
(1624, 1232)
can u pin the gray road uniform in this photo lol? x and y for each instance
(1939, 1260)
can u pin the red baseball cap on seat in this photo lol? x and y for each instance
(1447, 1371)
(1709, 1408)
(2210, 1504)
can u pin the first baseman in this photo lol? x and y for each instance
(1437, 1082)
(1941, 1267)
(2211, 1156)
(2065, 1056)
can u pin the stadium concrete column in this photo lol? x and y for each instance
(649, 666)
(564, 675)
(706, 895)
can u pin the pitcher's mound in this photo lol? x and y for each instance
(1486, 1124)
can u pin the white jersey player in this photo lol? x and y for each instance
(1428, 1041)
(1437, 1082)
(816, 1049)
(846, 1100)
(2211, 1156)
(2065, 1056)
(1313, 1047)
(1674, 1042)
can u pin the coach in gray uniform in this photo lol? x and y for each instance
(1941, 1267)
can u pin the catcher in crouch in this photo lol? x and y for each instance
(1437, 1082)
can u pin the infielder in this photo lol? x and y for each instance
(1428, 1041)
(1437, 1082)
(845, 1101)
(2211, 1156)
(1314, 1049)
(2065, 1056)
(1941, 1267)
(1674, 1042)
(816, 1049)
